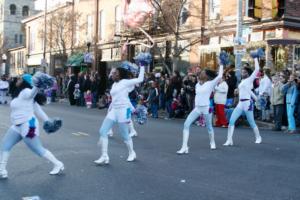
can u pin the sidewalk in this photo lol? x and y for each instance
(162, 115)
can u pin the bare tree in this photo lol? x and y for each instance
(170, 18)
(61, 27)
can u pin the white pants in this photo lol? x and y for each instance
(3, 97)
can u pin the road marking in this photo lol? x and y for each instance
(80, 134)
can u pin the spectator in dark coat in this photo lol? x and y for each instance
(71, 88)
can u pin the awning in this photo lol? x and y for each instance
(282, 41)
(75, 60)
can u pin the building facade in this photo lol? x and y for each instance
(12, 12)
(194, 39)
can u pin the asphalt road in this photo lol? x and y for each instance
(269, 171)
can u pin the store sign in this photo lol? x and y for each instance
(214, 40)
(227, 40)
(116, 54)
(270, 34)
(256, 36)
(239, 50)
(106, 55)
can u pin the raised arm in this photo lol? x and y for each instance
(215, 81)
(252, 77)
(134, 81)
(39, 112)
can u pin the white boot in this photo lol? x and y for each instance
(131, 152)
(229, 141)
(3, 162)
(258, 138)
(104, 159)
(185, 138)
(110, 133)
(212, 140)
(132, 131)
(58, 165)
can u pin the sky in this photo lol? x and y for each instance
(40, 4)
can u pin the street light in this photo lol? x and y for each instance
(4, 58)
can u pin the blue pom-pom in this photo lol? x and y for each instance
(42, 80)
(130, 66)
(143, 59)
(52, 126)
(259, 53)
(224, 58)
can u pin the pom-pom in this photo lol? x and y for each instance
(52, 126)
(130, 66)
(259, 53)
(42, 80)
(143, 59)
(224, 58)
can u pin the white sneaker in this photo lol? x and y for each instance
(183, 151)
(3, 174)
(57, 169)
(103, 160)
(131, 157)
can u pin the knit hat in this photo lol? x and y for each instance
(27, 78)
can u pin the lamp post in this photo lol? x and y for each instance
(3, 68)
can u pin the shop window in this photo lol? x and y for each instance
(13, 9)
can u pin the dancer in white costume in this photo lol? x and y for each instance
(120, 111)
(24, 109)
(246, 97)
(204, 89)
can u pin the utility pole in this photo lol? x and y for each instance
(238, 39)
(44, 61)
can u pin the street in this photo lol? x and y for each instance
(246, 171)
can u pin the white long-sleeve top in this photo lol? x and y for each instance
(265, 86)
(221, 91)
(120, 90)
(246, 85)
(22, 107)
(203, 91)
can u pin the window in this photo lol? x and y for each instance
(89, 27)
(1, 11)
(13, 9)
(101, 25)
(25, 11)
(118, 19)
(16, 38)
(77, 34)
(184, 14)
(31, 40)
(21, 39)
(214, 9)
